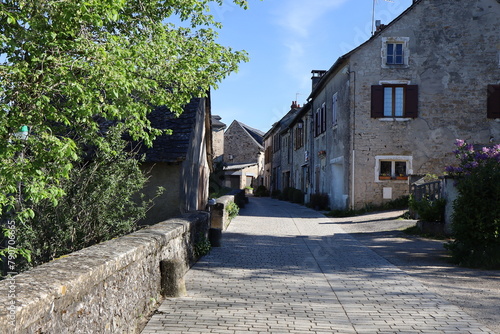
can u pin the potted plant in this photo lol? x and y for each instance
(384, 176)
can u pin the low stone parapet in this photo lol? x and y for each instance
(111, 287)
(220, 217)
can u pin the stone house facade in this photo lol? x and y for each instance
(180, 162)
(392, 108)
(243, 156)
(280, 152)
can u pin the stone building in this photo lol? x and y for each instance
(280, 151)
(243, 156)
(218, 128)
(179, 162)
(391, 109)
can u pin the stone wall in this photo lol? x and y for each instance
(167, 205)
(108, 288)
(452, 76)
(220, 217)
(240, 145)
(218, 144)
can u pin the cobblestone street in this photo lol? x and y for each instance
(284, 268)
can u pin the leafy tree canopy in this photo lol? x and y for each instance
(70, 64)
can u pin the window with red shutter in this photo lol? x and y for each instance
(394, 101)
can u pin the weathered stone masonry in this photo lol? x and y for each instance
(107, 288)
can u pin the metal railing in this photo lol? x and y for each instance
(430, 190)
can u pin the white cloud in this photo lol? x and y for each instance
(298, 16)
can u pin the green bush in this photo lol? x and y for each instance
(319, 201)
(428, 210)
(298, 196)
(261, 191)
(100, 203)
(288, 193)
(202, 246)
(232, 210)
(276, 193)
(476, 218)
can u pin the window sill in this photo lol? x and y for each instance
(392, 180)
(394, 119)
(395, 66)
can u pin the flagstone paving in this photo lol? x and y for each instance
(284, 268)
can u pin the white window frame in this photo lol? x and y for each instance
(393, 159)
(406, 51)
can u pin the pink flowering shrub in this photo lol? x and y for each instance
(476, 218)
(470, 158)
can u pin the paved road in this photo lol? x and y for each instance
(283, 268)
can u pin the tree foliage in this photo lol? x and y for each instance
(70, 65)
(101, 202)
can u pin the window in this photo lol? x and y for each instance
(299, 135)
(493, 101)
(395, 52)
(320, 120)
(393, 167)
(392, 170)
(268, 155)
(334, 108)
(394, 101)
(276, 143)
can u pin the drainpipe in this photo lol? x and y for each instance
(353, 136)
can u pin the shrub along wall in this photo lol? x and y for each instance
(107, 288)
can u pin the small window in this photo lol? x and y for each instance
(395, 54)
(392, 167)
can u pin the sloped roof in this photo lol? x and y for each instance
(284, 122)
(342, 59)
(216, 122)
(174, 147)
(257, 135)
(239, 166)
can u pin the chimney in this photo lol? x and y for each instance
(295, 105)
(379, 26)
(316, 77)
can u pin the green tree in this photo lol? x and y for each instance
(69, 65)
(101, 202)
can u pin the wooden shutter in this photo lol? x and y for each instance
(377, 108)
(411, 101)
(493, 110)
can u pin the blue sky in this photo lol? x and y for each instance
(286, 39)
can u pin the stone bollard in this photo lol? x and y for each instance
(172, 278)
